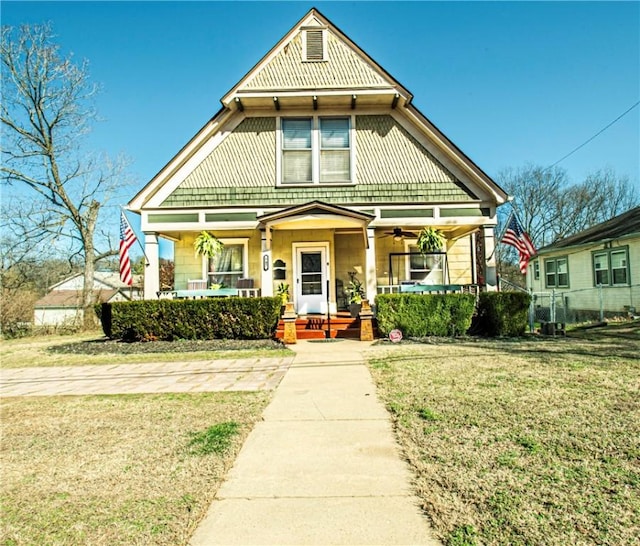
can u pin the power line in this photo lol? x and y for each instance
(594, 136)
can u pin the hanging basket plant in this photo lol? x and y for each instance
(207, 244)
(430, 240)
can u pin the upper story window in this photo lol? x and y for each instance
(610, 267)
(316, 150)
(556, 272)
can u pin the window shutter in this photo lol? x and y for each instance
(315, 45)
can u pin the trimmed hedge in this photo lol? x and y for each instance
(212, 318)
(502, 314)
(418, 315)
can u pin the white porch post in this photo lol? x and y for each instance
(152, 270)
(370, 259)
(266, 264)
(490, 274)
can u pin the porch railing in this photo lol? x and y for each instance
(417, 288)
(209, 293)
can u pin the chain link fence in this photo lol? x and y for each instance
(585, 305)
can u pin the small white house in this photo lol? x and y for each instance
(63, 304)
(595, 271)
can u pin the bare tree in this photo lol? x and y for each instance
(550, 207)
(46, 113)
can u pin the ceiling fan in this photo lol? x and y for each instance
(399, 234)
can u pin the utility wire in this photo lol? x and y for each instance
(594, 136)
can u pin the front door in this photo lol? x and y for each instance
(311, 280)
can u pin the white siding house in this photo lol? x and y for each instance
(595, 270)
(63, 304)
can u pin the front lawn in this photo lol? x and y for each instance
(110, 470)
(522, 442)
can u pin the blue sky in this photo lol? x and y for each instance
(508, 82)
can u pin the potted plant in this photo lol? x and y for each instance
(207, 244)
(355, 293)
(283, 291)
(430, 240)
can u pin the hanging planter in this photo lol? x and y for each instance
(208, 245)
(430, 240)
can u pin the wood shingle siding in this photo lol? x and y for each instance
(338, 195)
(391, 166)
(343, 69)
(387, 153)
(247, 157)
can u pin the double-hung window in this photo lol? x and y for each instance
(611, 267)
(229, 266)
(557, 272)
(316, 150)
(297, 156)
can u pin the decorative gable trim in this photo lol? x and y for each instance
(314, 21)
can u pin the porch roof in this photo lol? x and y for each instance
(316, 215)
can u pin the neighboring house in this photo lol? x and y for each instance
(63, 304)
(598, 268)
(318, 168)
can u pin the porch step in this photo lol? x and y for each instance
(316, 328)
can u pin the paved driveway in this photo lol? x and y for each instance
(248, 374)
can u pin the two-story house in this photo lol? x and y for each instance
(318, 169)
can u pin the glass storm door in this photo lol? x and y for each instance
(311, 280)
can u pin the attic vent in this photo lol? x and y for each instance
(314, 46)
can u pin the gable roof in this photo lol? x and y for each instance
(73, 298)
(625, 224)
(108, 279)
(281, 70)
(281, 79)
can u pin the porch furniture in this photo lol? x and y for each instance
(197, 284)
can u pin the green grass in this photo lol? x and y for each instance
(215, 439)
(522, 443)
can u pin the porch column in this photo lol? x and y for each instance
(370, 265)
(266, 264)
(152, 270)
(490, 276)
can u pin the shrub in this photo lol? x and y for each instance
(213, 318)
(502, 314)
(418, 315)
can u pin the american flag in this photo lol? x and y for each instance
(127, 238)
(516, 236)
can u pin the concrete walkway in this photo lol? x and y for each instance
(322, 467)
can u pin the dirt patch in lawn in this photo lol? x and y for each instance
(521, 442)
(100, 470)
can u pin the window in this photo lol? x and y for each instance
(316, 150)
(296, 151)
(424, 269)
(228, 266)
(334, 150)
(536, 270)
(610, 267)
(557, 272)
